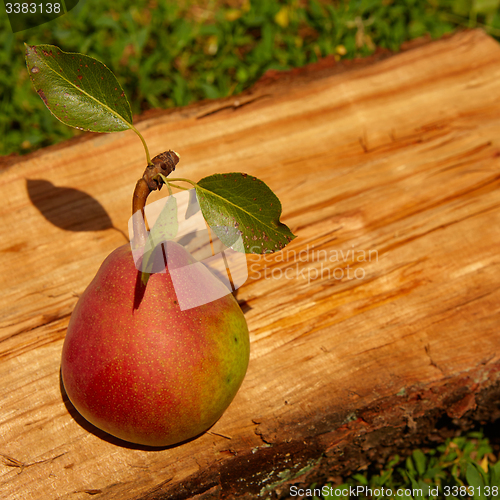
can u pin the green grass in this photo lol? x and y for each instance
(463, 467)
(166, 54)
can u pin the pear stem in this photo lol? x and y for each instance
(164, 164)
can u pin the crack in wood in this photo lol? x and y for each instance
(414, 237)
(235, 105)
(213, 433)
(13, 462)
(44, 322)
(427, 348)
(33, 341)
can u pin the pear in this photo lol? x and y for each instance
(137, 366)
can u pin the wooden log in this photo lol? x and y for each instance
(379, 319)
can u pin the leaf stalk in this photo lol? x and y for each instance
(148, 157)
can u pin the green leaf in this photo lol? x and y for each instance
(425, 488)
(485, 6)
(475, 479)
(420, 461)
(361, 479)
(79, 90)
(462, 7)
(337, 491)
(495, 474)
(409, 466)
(237, 205)
(414, 483)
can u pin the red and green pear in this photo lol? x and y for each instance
(137, 366)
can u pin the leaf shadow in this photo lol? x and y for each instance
(68, 208)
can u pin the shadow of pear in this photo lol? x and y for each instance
(68, 208)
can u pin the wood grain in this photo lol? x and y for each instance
(381, 317)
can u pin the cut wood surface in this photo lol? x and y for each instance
(380, 317)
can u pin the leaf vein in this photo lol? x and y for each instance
(241, 209)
